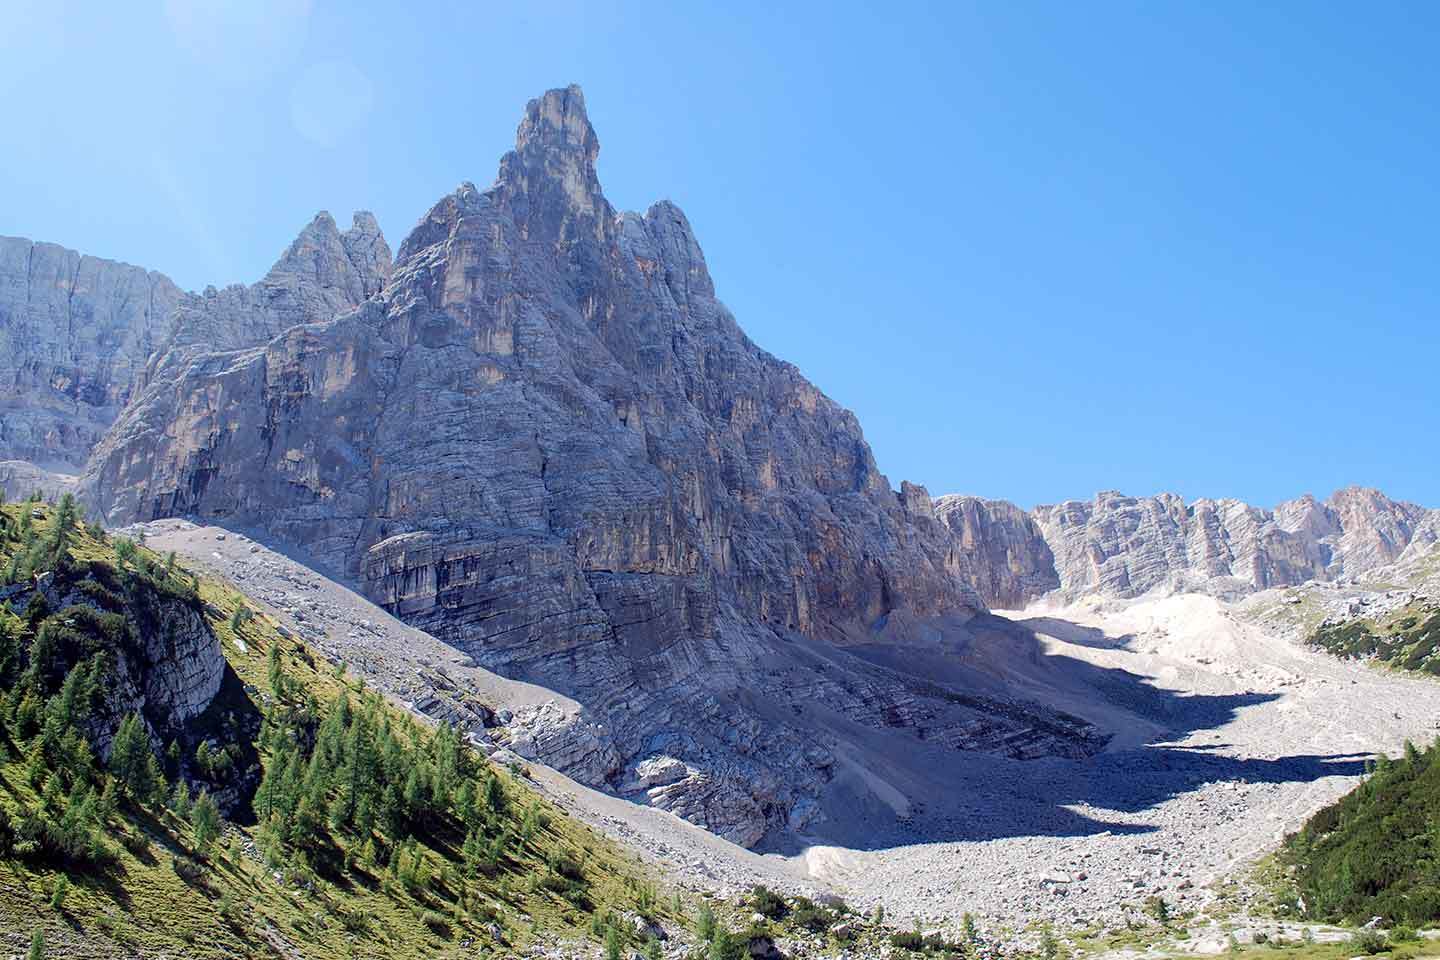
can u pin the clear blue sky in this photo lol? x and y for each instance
(1040, 248)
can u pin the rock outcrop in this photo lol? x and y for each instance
(19, 479)
(165, 663)
(75, 334)
(546, 442)
(1126, 546)
(999, 549)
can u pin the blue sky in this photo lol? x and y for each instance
(1041, 249)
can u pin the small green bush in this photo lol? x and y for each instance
(1369, 942)
(768, 903)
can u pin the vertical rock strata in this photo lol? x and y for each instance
(1125, 546)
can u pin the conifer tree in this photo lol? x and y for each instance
(180, 799)
(132, 761)
(205, 819)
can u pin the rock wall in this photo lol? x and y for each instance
(322, 274)
(999, 549)
(20, 478)
(75, 334)
(1125, 546)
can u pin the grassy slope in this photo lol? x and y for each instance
(1408, 638)
(142, 904)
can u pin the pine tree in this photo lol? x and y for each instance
(205, 819)
(57, 895)
(275, 670)
(494, 794)
(107, 804)
(473, 851)
(37, 945)
(416, 798)
(705, 924)
(180, 799)
(132, 761)
(465, 807)
(155, 776)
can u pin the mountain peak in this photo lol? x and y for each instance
(557, 120)
(549, 180)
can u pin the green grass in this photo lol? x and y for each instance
(156, 896)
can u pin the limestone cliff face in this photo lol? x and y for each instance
(546, 441)
(75, 333)
(167, 666)
(80, 337)
(999, 549)
(1125, 546)
(322, 274)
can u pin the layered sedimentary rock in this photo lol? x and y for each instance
(1125, 546)
(75, 333)
(1000, 550)
(546, 441)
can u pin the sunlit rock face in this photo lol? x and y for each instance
(543, 439)
(1126, 546)
(322, 274)
(75, 334)
(999, 549)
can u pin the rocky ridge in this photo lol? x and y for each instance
(546, 442)
(1121, 546)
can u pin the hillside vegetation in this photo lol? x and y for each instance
(1408, 639)
(297, 814)
(1376, 851)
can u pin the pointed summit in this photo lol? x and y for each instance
(557, 121)
(549, 179)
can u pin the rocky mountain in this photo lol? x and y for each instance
(545, 441)
(1125, 546)
(1122, 546)
(81, 336)
(322, 274)
(75, 334)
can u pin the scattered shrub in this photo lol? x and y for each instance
(1369, 941)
